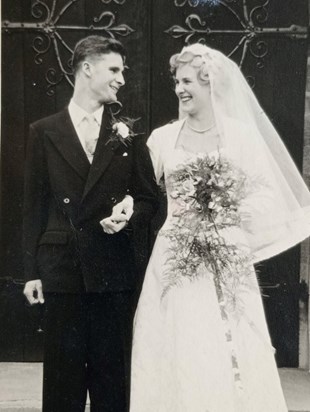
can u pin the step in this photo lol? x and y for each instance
(20, 387)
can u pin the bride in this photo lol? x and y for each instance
(235, 198)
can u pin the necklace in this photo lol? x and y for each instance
(200, 130)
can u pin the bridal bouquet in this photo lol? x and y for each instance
(208, 193)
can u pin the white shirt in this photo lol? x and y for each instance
(77, 115)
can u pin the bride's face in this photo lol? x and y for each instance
(193, 94)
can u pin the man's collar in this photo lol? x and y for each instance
(78, 114)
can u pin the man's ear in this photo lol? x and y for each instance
(86, 68)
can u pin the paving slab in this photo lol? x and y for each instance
(296, 388)
(21, 383)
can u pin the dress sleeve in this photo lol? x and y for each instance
(154, 145)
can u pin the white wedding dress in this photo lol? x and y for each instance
(181, 361)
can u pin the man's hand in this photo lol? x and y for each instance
(33, 291)
(112, 226)
(121, 213)
(125, 207)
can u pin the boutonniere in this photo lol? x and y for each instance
(122, 130)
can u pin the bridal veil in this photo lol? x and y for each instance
(280, 215)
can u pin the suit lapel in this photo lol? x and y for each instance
(103, 154)
(65, 139)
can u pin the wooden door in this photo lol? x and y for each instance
(268, 38)
(37, 41)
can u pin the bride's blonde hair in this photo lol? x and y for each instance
(198, 61)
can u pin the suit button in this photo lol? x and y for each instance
(66, 200)
(113, 199)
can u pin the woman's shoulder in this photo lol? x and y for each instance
(166, 132)
(168, 127)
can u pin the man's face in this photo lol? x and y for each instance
(106, 77)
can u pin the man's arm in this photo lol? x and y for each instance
(137, 208)
(144, 189)
(34, 214)
(145, 193)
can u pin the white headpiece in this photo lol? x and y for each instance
(281, 217)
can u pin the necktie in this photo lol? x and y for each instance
(90, 130)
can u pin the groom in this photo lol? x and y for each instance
(86, 195)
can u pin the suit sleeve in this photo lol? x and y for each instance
(36, 194)
(144, 187)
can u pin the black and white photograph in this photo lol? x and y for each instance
(155, 206)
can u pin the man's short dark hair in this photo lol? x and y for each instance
(94, 46)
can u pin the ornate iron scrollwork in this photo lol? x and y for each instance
(195, 3)
(250, 33)
(121, 30)
(49, 35)
(115, 1)
(259, 13)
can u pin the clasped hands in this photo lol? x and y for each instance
(121, 213)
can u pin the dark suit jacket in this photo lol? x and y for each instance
(66, 197)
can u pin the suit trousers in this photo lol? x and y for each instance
(87, 348)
